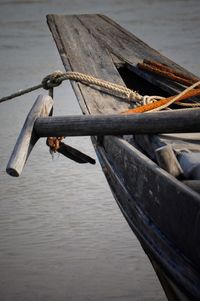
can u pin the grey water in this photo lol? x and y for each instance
(62, 236)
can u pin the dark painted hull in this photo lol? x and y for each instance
(177, 274)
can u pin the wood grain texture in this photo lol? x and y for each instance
(92, 44)
(178, 121)
(167, 160)
(82, 52)
(28, 137)
(168, 203)
(162, 211)
(155, 244)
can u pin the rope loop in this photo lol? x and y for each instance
(56, 78)
(52, 80)
(133, 95)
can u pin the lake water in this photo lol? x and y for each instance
(62, 236)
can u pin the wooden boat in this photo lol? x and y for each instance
(155, 178)
(162, 211)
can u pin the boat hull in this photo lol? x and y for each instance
(179, 278)
(161, 211)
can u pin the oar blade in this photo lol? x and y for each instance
(75, 154)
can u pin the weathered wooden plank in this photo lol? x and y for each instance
(91, 44)
(118, 40)
(167, 160)
(123, 43)
(82, 52)
(159, 122)
(129, 48)
(28, 136)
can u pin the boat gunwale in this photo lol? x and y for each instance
(177, 263)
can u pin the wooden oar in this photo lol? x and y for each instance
(55, 144)
(74, 154)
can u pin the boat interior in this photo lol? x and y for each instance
(107, 51)
(178, 154)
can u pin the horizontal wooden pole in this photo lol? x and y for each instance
(179, 121)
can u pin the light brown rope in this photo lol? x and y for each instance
(91, 80)
(56, 78)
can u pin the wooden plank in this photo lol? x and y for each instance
(95, 45)
(129, 48)
(28, 137)
(167, 160)
(159, 122)
(117, 39)
(82, 52)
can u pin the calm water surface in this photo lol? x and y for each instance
(62, 237)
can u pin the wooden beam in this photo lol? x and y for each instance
(167, 160)
(178, 121)
(28, 137)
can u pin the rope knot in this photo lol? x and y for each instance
(52, 80)
(54, 143)
(133, 95)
